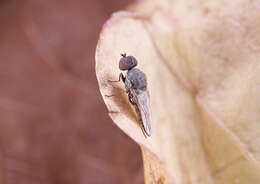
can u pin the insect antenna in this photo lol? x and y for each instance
(123, 54)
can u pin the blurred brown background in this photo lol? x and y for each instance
(54, 127)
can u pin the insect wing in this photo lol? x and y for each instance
(143, 108)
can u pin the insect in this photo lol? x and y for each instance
(136, 87)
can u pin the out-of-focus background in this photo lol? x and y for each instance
(54, 127)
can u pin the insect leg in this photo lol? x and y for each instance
(121, 76)
(131, 98)
(121, 91)
(109, 96)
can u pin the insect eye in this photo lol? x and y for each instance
(126, 63)
(132, 62)
(129, 61)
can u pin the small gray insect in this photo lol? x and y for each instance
(136, 88)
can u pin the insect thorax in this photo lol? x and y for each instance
(136, 79)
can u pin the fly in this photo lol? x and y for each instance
(136, 87)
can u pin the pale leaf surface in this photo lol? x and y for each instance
(201, 61)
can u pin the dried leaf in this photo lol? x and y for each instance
(203, 76)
